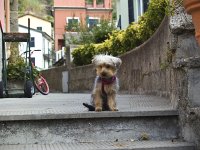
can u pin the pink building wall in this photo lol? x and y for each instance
(2, 14)
(76, 3)
(76, 8)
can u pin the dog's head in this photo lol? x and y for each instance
(106, 65)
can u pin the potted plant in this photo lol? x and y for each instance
(192, 7)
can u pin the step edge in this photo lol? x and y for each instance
(87, 115)
(129, 145)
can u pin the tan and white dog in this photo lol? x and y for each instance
(106, 83)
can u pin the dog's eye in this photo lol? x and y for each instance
(100, 66)
(107, 66)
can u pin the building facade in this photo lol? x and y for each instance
(129, 11)
(36, 23)
(40, 42)
(67, 14)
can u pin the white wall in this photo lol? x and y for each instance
(39, 59)
(36, 22)
(122, 9)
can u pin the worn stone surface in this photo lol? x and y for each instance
(86, 130)
(69, 106)
(62, 118)
(114, 145)
(194, 87)
(180, 21)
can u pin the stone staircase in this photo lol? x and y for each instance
(60, 122)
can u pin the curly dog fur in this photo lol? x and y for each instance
(106, 83)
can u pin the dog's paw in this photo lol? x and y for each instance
(98, 109)
(114, 109)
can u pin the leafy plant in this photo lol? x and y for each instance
(17, 70)
(101, 31)
(119, 42)
(31, 6)
(97, 34)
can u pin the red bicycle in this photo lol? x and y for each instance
(39, 81)
(41, 84)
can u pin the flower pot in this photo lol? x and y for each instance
(192, 7)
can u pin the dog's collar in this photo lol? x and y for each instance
(106, 81)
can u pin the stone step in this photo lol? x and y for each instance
(88, 129)
(61, 118)
(119, 145)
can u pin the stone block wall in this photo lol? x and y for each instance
(54, 78)
(144, 70)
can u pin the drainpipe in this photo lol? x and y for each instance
(7, 4)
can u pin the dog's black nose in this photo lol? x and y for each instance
(103, 73)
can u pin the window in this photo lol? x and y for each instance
(72, 23)
(145, 5)
(100, 2)
(89, 2)
(139, 7)
(32, 42)
(93, 22)
(119, 24)
(39, 28)
(131, 11)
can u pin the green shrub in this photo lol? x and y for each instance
(101, 32)
(84, 54)
(119, 42)
(16, 70)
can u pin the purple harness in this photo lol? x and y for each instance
(106, 81)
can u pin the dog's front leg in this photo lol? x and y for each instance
(98, 100)
(111, 101)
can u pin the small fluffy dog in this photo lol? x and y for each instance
(106, 83)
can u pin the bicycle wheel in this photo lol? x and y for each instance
(41, 85)
(1, 89)
(28, 89)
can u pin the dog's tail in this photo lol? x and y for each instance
(90, 107)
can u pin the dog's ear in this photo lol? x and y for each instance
(118, 62)
(94, 61)
(97, 59)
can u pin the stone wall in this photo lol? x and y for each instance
(54, 78)
(82, 79)
(144, 70)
